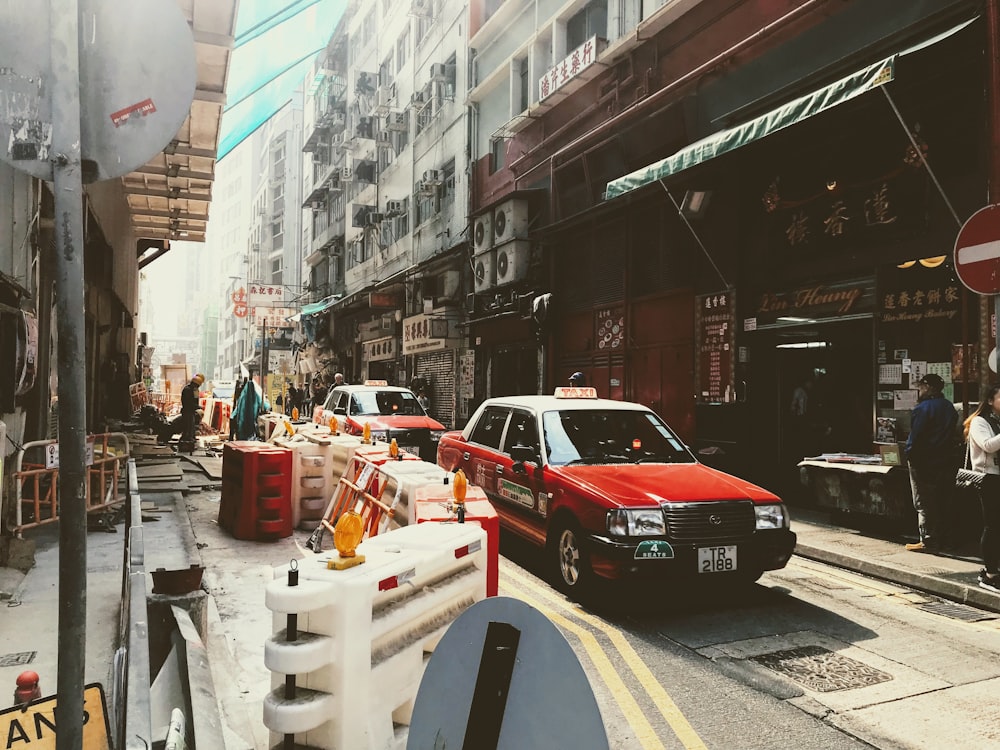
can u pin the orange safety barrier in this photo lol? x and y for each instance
(363, 482)
(37, 484)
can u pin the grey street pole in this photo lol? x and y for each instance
(67, 185)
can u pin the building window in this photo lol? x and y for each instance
(522, 77)
(592, 20)
(402, 48)
(498, 154)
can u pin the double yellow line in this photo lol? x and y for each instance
(616, 686)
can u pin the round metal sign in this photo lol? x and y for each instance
(977, 251)
(503, 676)
(137, 80)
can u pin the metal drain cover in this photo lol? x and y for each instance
(957, 611)
(16, 660)
(822, 670)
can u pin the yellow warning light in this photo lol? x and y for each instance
(459, 486)
(394, 448)
(366, 434)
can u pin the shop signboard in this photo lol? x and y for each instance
(977, 251)
(715, 324)
(424, 333)
(813, 301)
(381, 350)
(568, 68)
(265, 295)
(273, 317)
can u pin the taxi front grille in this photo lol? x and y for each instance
(409, 437)
(702, 522)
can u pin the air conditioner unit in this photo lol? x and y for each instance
(337, 139)
(394, 208)
(510, 221)
(383, 96)
(346, 174)
(482, 232)
(432, 176)
(426, 188)
(397, 121)
(512, 261)
(374, 218)
(387, 322)
(384, 137)
(418, 98)
(484, 270)
(438, 72)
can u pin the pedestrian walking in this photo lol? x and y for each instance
(930, 454)
(982, 431)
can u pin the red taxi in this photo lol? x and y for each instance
(390, 411)
(608, 489)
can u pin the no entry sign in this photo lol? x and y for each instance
(977, 251)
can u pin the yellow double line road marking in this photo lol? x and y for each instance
(626, 701)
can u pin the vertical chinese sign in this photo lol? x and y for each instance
(715, 338)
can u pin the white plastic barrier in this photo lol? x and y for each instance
(313, 479)
(403, 479)
(364, 634)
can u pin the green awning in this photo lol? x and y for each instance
(797, 110)
(322, 306)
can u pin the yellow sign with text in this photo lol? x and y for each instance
(34, 728)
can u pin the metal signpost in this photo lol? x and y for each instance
(82, 99)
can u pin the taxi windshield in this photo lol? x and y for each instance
(610, 436)
(385, 403)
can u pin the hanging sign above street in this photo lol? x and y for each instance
(977, 251)
(132, 101)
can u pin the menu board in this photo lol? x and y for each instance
(715, 339)
(609, 329)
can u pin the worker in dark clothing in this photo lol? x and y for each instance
(189, 412)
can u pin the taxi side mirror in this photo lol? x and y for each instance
(340, 411)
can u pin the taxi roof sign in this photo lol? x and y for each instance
(377, 383)
(575, 392)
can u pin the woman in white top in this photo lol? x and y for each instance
(982, 431)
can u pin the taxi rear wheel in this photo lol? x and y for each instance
(570, 560)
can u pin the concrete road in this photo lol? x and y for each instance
(809, 657)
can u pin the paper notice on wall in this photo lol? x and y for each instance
(942, 369)
(890, 374)
(904, 400)
(918, 368)
(949, 391)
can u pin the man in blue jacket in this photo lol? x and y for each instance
(930, 454)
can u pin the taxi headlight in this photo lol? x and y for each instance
(636, 522)
(771, 516)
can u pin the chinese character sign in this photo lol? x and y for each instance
(571, 66)
(715, 327)
(265, 295)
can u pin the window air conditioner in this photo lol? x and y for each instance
(346, 174)
(482, 232)
(397, 121)
(438, 72)
(512, 261)
(384, 137)
(432, 176)
(374, 218)
(394, 207)
(418, 98)
(510, 221)
(484, 269)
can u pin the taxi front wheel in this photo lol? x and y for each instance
(571, 563)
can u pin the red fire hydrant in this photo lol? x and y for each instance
(27, 689)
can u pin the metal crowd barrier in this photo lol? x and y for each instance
(36, 484)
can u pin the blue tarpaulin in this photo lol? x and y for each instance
(276, 42)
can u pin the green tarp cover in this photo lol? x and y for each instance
(317, 307)
(797, 110)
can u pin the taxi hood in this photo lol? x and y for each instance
(398, 422)
(642, 485)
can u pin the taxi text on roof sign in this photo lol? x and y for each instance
(567, 392)
(35, 727)
(377, 383)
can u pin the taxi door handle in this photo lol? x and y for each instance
(466, 456)
(499, 468)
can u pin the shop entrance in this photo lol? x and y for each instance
(820, 398)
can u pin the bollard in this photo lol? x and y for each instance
(27, 689)
(291, 635)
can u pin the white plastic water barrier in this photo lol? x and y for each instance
(365, 634)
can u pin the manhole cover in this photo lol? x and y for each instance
(16, 660)
(957, 611)
(822, 670)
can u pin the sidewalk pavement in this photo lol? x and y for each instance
(29, 625)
